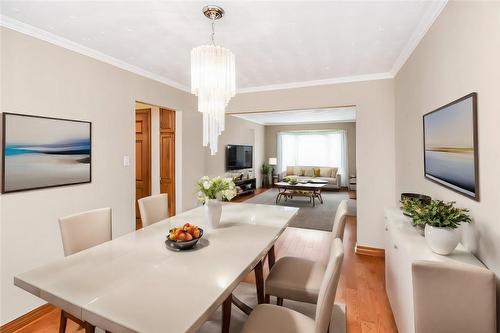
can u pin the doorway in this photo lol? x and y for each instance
(155, 154)
(142, 159)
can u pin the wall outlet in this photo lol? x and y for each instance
(126, 161)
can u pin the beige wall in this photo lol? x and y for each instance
(350, 128)
(375, 147)
(240, 132)
(460, 54)
(42, 79)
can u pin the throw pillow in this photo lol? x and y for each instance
(289, 171)
(302, 172)
(316, 172)
(308, 172)
(325, 172)
(334, 172)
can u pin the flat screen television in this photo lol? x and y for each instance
(450, 146)
(239, 157)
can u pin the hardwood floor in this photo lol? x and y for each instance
(361, 285)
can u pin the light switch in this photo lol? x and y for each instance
(126, 161)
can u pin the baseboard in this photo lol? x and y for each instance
(369, 251)
(26, 319)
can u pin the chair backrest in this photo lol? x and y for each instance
(153, 208)
(84, 230)
(339, 221)
(453, 297)
(328, 289)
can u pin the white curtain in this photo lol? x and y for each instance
(314, 148)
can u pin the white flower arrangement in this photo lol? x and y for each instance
(216, 188)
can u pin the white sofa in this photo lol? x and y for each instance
(330, 174)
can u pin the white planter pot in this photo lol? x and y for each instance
(212, 211)
(441, 240)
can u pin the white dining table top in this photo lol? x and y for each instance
(135, 284)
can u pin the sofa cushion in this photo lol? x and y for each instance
(289, 170)
(334, 172)
(325, 172)
(308, 172)
(316, 172)
(298, 171)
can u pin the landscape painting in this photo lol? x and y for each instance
(450, 146)
(40, 152)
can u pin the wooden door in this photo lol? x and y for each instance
(142, 159)
(167, 157)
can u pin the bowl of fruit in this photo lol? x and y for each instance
(183, 238)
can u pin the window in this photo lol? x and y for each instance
(314, 148)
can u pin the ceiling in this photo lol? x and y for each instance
(308, 116)
(277, 44)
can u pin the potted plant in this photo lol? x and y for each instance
(292, 180)
(441, 220)
(211, 192)
(265, 169)
(408, 206)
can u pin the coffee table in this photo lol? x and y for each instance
(311, 190)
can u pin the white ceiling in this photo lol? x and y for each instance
(277, 44)
(309, 116)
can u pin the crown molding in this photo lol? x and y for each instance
(32, 31)
(423, 26)
(304, 84)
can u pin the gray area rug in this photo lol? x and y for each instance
(246, 293)
(319, 217)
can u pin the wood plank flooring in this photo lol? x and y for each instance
(361, 285)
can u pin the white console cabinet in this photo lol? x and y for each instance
(403, 246)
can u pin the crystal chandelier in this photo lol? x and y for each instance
(213, 81)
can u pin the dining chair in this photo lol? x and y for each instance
(300, 279)
(267, 318)
(153, 208)
(79, 232)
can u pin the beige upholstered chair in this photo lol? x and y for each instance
(267, 318)
(450, 298)
(300, 279)
(153, 209)
(79, 232)
(84, 230)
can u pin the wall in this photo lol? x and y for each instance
(375, 147)
(350, 128)
(240, 132)
(42, 79)
(460, 54)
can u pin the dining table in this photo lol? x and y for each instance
(135, 283)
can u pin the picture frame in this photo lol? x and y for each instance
(41, 152)
(451, 150)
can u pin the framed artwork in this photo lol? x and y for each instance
(451, 146)
(41, 152)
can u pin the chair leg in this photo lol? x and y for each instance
(226, 314)
(89, 328)
(63, 322)
(279, 301)
(267, 299)
(259, 282)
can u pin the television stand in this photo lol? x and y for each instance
(246, 186)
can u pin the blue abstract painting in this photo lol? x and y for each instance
(41, 152)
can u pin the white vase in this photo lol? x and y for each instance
(213, 211)
(441, 240)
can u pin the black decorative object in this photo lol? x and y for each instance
(425, 199)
